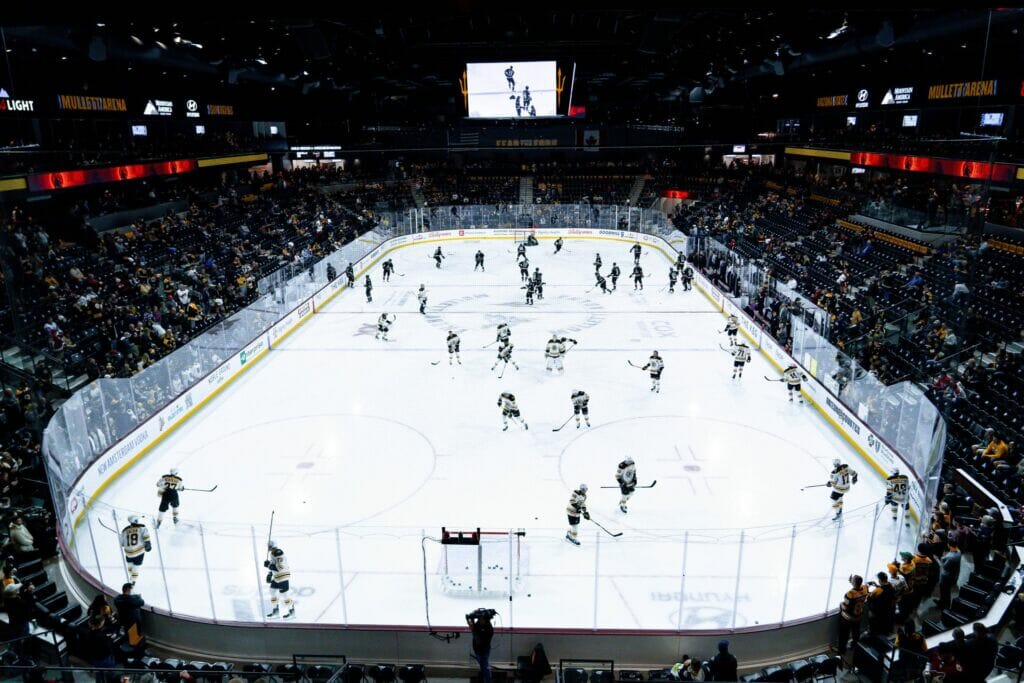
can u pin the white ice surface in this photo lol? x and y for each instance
(362, 447)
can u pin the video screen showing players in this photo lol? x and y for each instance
(508, 90)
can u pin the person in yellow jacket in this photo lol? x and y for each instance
(851, 613)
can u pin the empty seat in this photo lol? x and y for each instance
(382, 673)
(289, 672)
(602, 676)
(574, 675)
(353, 673)
(412, 673)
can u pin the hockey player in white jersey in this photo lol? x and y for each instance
(840, 481)
(453, 347)
(384, 323)
(503, 333)
(626, 476)
(505, 355)
(897, 493)
(555, 351)
(740, 357)
(732, 327)
(278, 576)
(581, 405)
(655, 364)
(167, 487)
(792, 376)
(135, 543)
(510, 410)
(422, 296)
(576, 508)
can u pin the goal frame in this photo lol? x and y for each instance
(477, 537)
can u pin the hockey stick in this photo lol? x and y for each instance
(640, 367)
(105, 526)
(488, 344)
(724, 349)
(812, 486)
(599, 526)
(502, 373)
(781, 379)
(204, 490)
(270, 532)
(558, 429)
(649, 486)
(435, 362)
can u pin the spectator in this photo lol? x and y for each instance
(98, 648)
(983, 649)
(129, 608)
(950, 576)
(944, 663)
(99, 607)
(851, 612)
(21, 538)
(20, 609)
(881, 606)
(996, 448)
(483, 632)
(908, 638)
(723, 666)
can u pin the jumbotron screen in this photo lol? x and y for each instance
(509, 90)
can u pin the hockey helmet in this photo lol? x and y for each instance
(133, 519)
(271, 545)
(628, 460)
(174, 471)
(583, 488)
(836, 462)
(895, 471)
(654, 353)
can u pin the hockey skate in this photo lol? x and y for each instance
(838, 515)
(273, 613)
(623, 508)
(175, 520)
(505, 428)
(291, 613)
(572, 539)
(160, 521)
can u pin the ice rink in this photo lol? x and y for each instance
(364, 450)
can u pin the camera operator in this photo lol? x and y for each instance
(480, 625)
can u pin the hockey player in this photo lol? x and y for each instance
(524, 269)
(603, 284)
(135, 542)
(686, 277)
(680, 261)
(555, 351)
(597, 263)
(505, 354)
(503, 333)
(581, 404)
(638, 277)
(558, 245)
(840, 481)
(350, 274)
(278, 577)
(510, 409)
(792, 376)
(531, 240)
(530, 288)
(331, 273)
(384, 323)
(521, 251)
(671, 279)
(438, 256)
(732, 327)
(615, 273)
(479, 258)
(897, 487)
(636, 249)
(626, 476)
(655, 364)
(577, 507)
(453, 347)
(369, 289)
(740, 357)
(538, 282)
(422, 296)
(388, 267)
(167, 487)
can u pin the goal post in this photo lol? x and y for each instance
(482, 564)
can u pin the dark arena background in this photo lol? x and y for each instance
(468, 342)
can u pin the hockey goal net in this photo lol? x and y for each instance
(482, 564)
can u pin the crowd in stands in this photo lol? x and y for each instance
(115, 302)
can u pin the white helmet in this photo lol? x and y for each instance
(133, 519)
(628, 460)
(174, 471)
(271, 545)
(836, 462)
(895, 471)
(583, 488)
